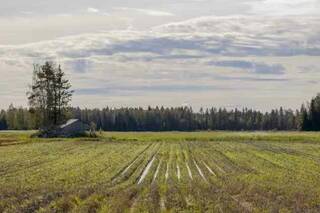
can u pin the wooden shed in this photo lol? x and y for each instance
(73, 127)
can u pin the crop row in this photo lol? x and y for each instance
(155, 176)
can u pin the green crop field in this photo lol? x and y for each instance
(161, 172)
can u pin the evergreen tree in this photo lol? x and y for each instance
(3, 120)
(49, 95)
(11, 117)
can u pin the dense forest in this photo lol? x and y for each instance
(178, 118)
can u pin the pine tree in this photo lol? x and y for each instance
(11, 117)
(49, 95)
(305, 122)
(3, 121)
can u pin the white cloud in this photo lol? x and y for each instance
(22, 30)
(92, 10)
(285, 7)
(173, 61)
(145, 11)
(199, 38)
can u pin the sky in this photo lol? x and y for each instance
(259, 54)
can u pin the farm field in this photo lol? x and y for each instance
(161, 172)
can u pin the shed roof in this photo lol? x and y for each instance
(69, 122)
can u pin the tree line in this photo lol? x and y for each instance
(177, 118)
(49, 96)
(310, 115)
(185, 119)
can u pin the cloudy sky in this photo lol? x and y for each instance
(225, 53)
